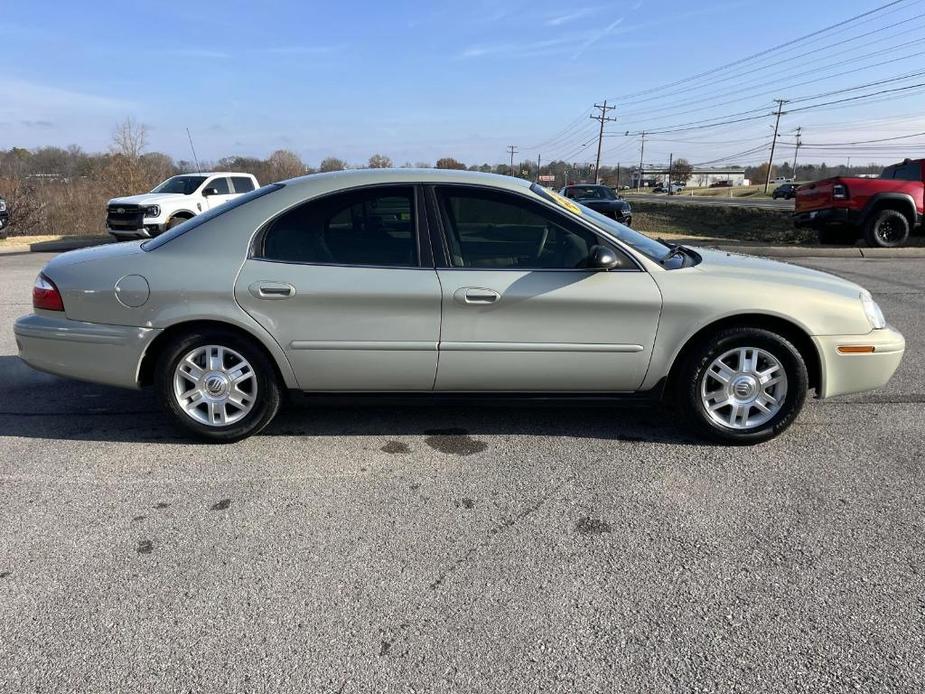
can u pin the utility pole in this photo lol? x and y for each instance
(512, 149)
(670, 162)
(618, 175)
(780, 106)
(642, 150)
(602, 117)
(796, 152)
(539, 159)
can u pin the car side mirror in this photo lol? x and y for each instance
(602, 258)
(209, 191)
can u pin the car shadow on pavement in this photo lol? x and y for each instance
(37, 405)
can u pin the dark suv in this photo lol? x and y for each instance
(785, 191)
(4, 217)
(601, 199)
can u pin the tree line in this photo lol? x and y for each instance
(64, 190)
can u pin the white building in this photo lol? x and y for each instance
(700, 178)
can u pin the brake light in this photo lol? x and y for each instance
(45, 295)
(839, 191)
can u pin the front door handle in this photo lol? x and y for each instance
(271, 290)
(477, 296)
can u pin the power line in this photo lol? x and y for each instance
(768, 50)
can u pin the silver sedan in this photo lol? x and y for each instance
(449, 284)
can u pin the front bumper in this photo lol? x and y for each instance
(854, 373)
(109, 354)
(4, 219)
(146, 232)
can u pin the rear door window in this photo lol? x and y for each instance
(371, 227)
(242, 184)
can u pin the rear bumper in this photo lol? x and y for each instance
(109, 354)
(830, 216)
(854, 373)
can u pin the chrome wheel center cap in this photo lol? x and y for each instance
(216, 384)
(745, 388)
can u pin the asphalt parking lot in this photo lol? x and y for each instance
(499, 549)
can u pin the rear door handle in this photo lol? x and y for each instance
(477, 295)
(271, 290)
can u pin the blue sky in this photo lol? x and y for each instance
(412, 80)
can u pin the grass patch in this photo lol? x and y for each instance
(734, 223)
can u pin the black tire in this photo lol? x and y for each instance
(886, 229)
(830, 236)
(693, 371)
(267, 395)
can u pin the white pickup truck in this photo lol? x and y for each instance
(172, 202)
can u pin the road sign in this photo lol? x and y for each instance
(546, 177)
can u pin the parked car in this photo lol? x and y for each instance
(4, 216)
(675, 188)
(174, 201)
(659, 188)
(448, 283)
(600, 199)
(884, 210)
(721, 184)
(785, 191)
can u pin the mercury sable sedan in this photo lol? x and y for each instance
(447, 284)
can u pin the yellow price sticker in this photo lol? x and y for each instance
(565, 202)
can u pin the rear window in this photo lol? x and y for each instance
(242, 184)
(201, 219)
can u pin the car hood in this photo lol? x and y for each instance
(147, 199)
(86, 255)
(607, 204)
(723, 266)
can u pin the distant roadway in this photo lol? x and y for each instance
(765, 203)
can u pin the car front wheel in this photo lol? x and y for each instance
(217, 385)
(742, 386)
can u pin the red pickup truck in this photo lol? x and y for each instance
(884, 210)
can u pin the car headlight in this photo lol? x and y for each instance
(872, 311)
(2, 206)
(152, 211)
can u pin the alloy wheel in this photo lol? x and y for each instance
(743, 388)
(215, 385)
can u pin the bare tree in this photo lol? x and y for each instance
(380, 161)
(681, 170)
(283, 164)
(450, 163)
(124, 172)
(332, 164)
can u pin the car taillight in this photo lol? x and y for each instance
(45, 295)
(839, 191)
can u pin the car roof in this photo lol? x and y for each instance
(361, 177)
(213, 173)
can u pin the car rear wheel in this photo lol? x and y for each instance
(217, 385)
(742, 386)
(887, 229)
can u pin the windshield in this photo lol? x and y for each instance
(648, 247)
(201, 219)
(186, 185)
(590, 193)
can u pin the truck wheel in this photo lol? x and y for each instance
(829, 236)
(887, 229)
(175, 221)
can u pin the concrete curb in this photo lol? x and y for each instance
(825, 252)
(57, 246)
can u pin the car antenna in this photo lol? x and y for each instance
(195, 158)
